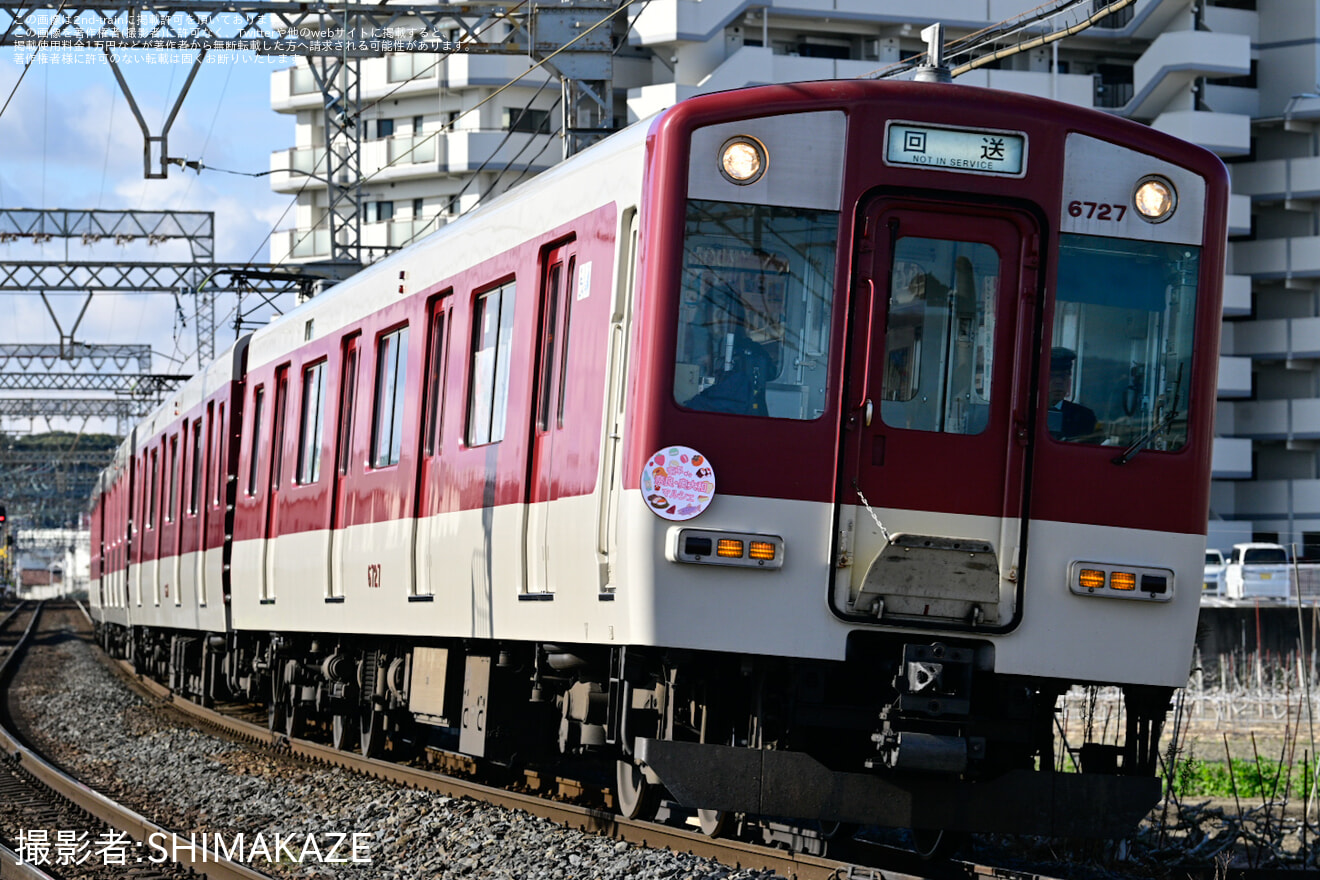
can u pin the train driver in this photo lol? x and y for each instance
(1066, 420)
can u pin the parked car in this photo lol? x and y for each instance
(1214, 574)
(1258, 571)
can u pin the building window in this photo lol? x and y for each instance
(492, 338)
(418, 205)
(380, 212)
(418, 124)
(384, 128)
(310, 424)
(527, 119)
(391, 382)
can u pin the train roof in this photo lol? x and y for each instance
(609, 171)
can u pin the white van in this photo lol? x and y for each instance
(1213, 585)
(1258, 571)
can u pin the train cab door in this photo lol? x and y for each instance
(547, 422)
(935, 430)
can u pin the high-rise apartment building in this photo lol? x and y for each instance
(1237, 76)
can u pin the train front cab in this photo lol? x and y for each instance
(982, 437)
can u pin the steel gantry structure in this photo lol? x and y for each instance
(574, 40)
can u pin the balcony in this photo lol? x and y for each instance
(1278, 498)
(291, 168)
(1237, 296)
(1222, 133)
(1278, 259)
(1297, 419)
(314, 244)
(408, 156)
(1176, 59)
(299, 245)
(1239, 214)
(293, 89)
(1279, 180)
(1278, 339)
(1231, 459)
(1234, 378)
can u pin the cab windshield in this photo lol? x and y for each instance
(755, 308)
(1120, 368)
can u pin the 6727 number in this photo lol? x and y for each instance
(1096, 210)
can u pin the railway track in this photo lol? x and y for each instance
(67, 826)
(240, 723)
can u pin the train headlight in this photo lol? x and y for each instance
(1155, 199)
(743, 160)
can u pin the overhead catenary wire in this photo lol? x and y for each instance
(448, 127)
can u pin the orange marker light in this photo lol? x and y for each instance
(761, 550)
(1091, 579)
(1123, 580)
(729, 547)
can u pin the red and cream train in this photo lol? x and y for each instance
(790, 454)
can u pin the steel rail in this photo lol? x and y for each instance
(737, 854)
(733, 853)
(12, 869)
(99, 806)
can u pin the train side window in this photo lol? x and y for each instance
(436, 371)
(387, 413)
(219, 459)
(195, 484)
(172, 483)
(151, 490)
(277, 427)
(570, 294)
(755, 310)
(492, 339)
(310, 423)
(258, 404)
(347, 402)
(553, 295)
(939, 336)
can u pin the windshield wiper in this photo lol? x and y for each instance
(1155, 430)
(1144, 440)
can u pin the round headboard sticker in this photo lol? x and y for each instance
(678, 483)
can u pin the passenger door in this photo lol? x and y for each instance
(429, 547)
(346, 409)
(547, 416)
(276, 477)
(935, 433)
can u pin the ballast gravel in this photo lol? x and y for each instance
(193, 782)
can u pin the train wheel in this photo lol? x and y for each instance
(714, 823)
(295, 719)
(275, 708)
(635, 797)
(275, 715)
(344, 732)
(371, 733)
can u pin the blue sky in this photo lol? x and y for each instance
(69, 140)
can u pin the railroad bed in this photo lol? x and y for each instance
(52, 821)
(195, 782)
